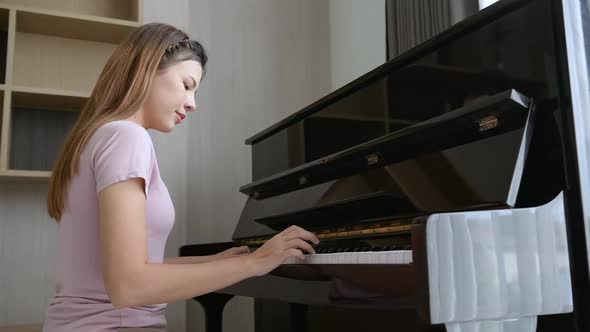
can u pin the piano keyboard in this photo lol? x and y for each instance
(369, 257)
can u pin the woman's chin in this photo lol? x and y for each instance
(165, 127)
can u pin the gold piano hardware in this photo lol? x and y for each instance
(488, 122)
(372, 159)
(366, 231)
(302, 180)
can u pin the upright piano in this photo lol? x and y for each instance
(447, 187)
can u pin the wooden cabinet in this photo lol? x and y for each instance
(21, 328)
(51, 53)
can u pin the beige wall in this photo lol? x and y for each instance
(171, 150)
(28, 237)
(27, 253)
(357, 38)
(268, 58)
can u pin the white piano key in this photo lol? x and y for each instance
(341, 258)
(369, 257)
(374, 257)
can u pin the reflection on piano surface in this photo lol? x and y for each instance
(435, 184)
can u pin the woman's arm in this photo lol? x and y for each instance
(189, 259)
(231, 252)
(131, 281)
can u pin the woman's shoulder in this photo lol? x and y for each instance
(122, 127)
(125, 131)
(121, 135)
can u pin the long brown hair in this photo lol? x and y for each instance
(119, 92)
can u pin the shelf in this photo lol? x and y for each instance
(52, 53)
(49, 99)
(58, 63)
(28, 176)
(4, 19)
(4, 119)
(39, 123)
(130, 10)
(84, 27)
(4, 14)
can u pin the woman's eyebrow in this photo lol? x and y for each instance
(194, 81)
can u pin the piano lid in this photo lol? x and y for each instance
(484, 173)
(462, 67)
(487, 116)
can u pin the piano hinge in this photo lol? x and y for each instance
(489, 122)
(372, 159)
(302, 180)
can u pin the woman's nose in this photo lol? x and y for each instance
(189, 107)
(190, 104)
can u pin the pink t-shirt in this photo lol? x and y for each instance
(117, 151)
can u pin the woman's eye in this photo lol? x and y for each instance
(186, 86)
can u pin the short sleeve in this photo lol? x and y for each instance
(124, 151)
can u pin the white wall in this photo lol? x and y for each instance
(28, 237)
(171, 150)
(357, 38)
(268, 58)
(27, 253)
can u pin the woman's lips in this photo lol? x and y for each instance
(180, 116)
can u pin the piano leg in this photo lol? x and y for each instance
(298, 317)
(273, 315)
(213, 304)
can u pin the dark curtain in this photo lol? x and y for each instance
(410, 22)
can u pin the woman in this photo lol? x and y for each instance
(115, 212)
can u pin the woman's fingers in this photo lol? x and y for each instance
(295, 252)
(293, 229)
(292, 242)
(235, 251)
(294, 232)
(298, 243)
(242, 250)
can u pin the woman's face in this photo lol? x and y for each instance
(172, 96)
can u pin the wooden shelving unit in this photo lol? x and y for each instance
(51, 53)
(22, 328)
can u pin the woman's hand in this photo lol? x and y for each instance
(290, 242)
(232, 252)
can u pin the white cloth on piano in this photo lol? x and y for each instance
(498, 264)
